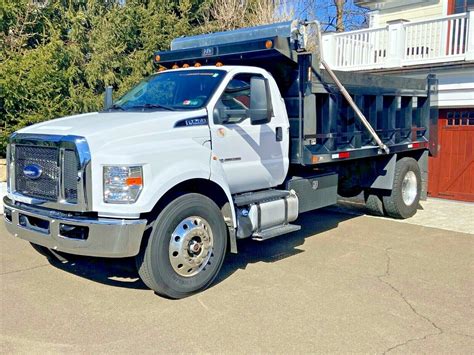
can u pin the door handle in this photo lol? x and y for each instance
(279, 134)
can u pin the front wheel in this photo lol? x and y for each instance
(186, 247)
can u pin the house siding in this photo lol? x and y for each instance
(380, 18)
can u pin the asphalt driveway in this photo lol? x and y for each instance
(344, 283)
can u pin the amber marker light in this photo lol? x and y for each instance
(157, 58)
(197, 65)
(134, 181)
(268, 44)
(219, 64)
(186, 65)
(176, 66)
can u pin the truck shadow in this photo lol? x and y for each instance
(313, 224)
(122, 273)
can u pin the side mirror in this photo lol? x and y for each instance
(220, 115)
(260, 111)
(108, 100)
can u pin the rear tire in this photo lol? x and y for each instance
(405, 195)
(374, 203)
(186, 247)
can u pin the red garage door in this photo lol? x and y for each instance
(451, 173)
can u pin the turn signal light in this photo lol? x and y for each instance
(268, 44)
(134, 181)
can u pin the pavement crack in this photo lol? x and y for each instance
(382, 279)
(21, 270)
(463, 335)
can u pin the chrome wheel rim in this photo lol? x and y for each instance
(409, 188)
(191, 246)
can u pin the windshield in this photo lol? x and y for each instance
(177, 90)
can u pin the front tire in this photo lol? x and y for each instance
(405, 195)
(186, 247)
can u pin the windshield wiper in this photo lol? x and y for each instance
(116, 107)
(154, 106)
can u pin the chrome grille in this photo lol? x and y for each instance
(64, 161)
(46, 186)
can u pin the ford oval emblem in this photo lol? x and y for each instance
(32, 171)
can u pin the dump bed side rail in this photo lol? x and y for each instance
(398, 109)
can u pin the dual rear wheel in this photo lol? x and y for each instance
(402, 201)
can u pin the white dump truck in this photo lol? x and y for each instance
(234, 136)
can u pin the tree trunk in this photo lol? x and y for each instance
(339, 15)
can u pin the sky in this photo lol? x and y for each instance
(324, 11)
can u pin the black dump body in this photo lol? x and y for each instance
(324, 128)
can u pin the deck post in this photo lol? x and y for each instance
(470, 36)
(329, 49)
(396, 43)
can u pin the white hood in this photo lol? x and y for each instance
(109, 128)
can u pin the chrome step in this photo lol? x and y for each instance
(275, 232)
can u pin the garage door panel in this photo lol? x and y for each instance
(451, 173)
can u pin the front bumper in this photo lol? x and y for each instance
(103, 237)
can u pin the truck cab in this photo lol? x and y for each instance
(227, 140)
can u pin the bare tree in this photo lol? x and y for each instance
(231, 14)
(335, 15)
(339, 15)
(228, 14)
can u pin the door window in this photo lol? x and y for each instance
(234, 103)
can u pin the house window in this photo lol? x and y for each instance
(460, 118)
(459, 6)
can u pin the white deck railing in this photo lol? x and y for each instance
(450, 38)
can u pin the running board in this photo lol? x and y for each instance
(275, 232)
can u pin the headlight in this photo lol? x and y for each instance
(122, 184)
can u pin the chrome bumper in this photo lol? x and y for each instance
(103, 237)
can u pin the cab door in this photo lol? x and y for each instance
(253, 157)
